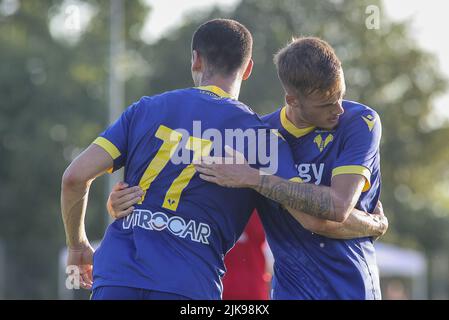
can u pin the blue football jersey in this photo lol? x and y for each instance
(176, 239)
(307, 265)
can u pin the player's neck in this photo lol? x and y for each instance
(229, 85)
(298, 123)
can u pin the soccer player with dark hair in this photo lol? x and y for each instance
(335, 144)
(173, 244)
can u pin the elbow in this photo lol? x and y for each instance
(383, 226)
(342, 210)
(73, 180)
(340, 217)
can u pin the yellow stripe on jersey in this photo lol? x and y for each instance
(291, 128)
(359, 170)
(108, 146)
(171, 140)
(200, 148)
(218, 91)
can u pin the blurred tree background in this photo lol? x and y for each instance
(53, 103)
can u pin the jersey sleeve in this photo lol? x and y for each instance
(360, 147)
(115, 139)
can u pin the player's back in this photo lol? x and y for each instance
(176, 238)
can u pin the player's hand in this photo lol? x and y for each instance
(82, 258)
(232, 171)
(122, 199)
(381, 218)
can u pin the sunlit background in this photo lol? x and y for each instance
(67, 68)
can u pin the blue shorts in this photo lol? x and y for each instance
(125, 293)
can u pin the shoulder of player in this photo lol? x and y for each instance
(272, 117)
(243, 108)
(158, 99)
(243, 114)
(360, 113)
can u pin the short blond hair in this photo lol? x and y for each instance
(307, 65)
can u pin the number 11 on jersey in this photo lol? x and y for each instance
(171, 140)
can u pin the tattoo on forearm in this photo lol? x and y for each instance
(362, 225)
(308, 198)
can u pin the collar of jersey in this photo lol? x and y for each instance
(218, 91)
(291, 128)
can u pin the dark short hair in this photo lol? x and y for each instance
(308, 65)
(225, 44)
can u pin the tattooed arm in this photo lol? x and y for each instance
(333, 203)
(317, 201)
(359, 224)
(345, 190)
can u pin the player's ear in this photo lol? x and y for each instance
(197, 61)
(248, 70)
(291, 100)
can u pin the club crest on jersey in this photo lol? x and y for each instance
(323, 143)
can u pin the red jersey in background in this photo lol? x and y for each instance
(246, 277)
